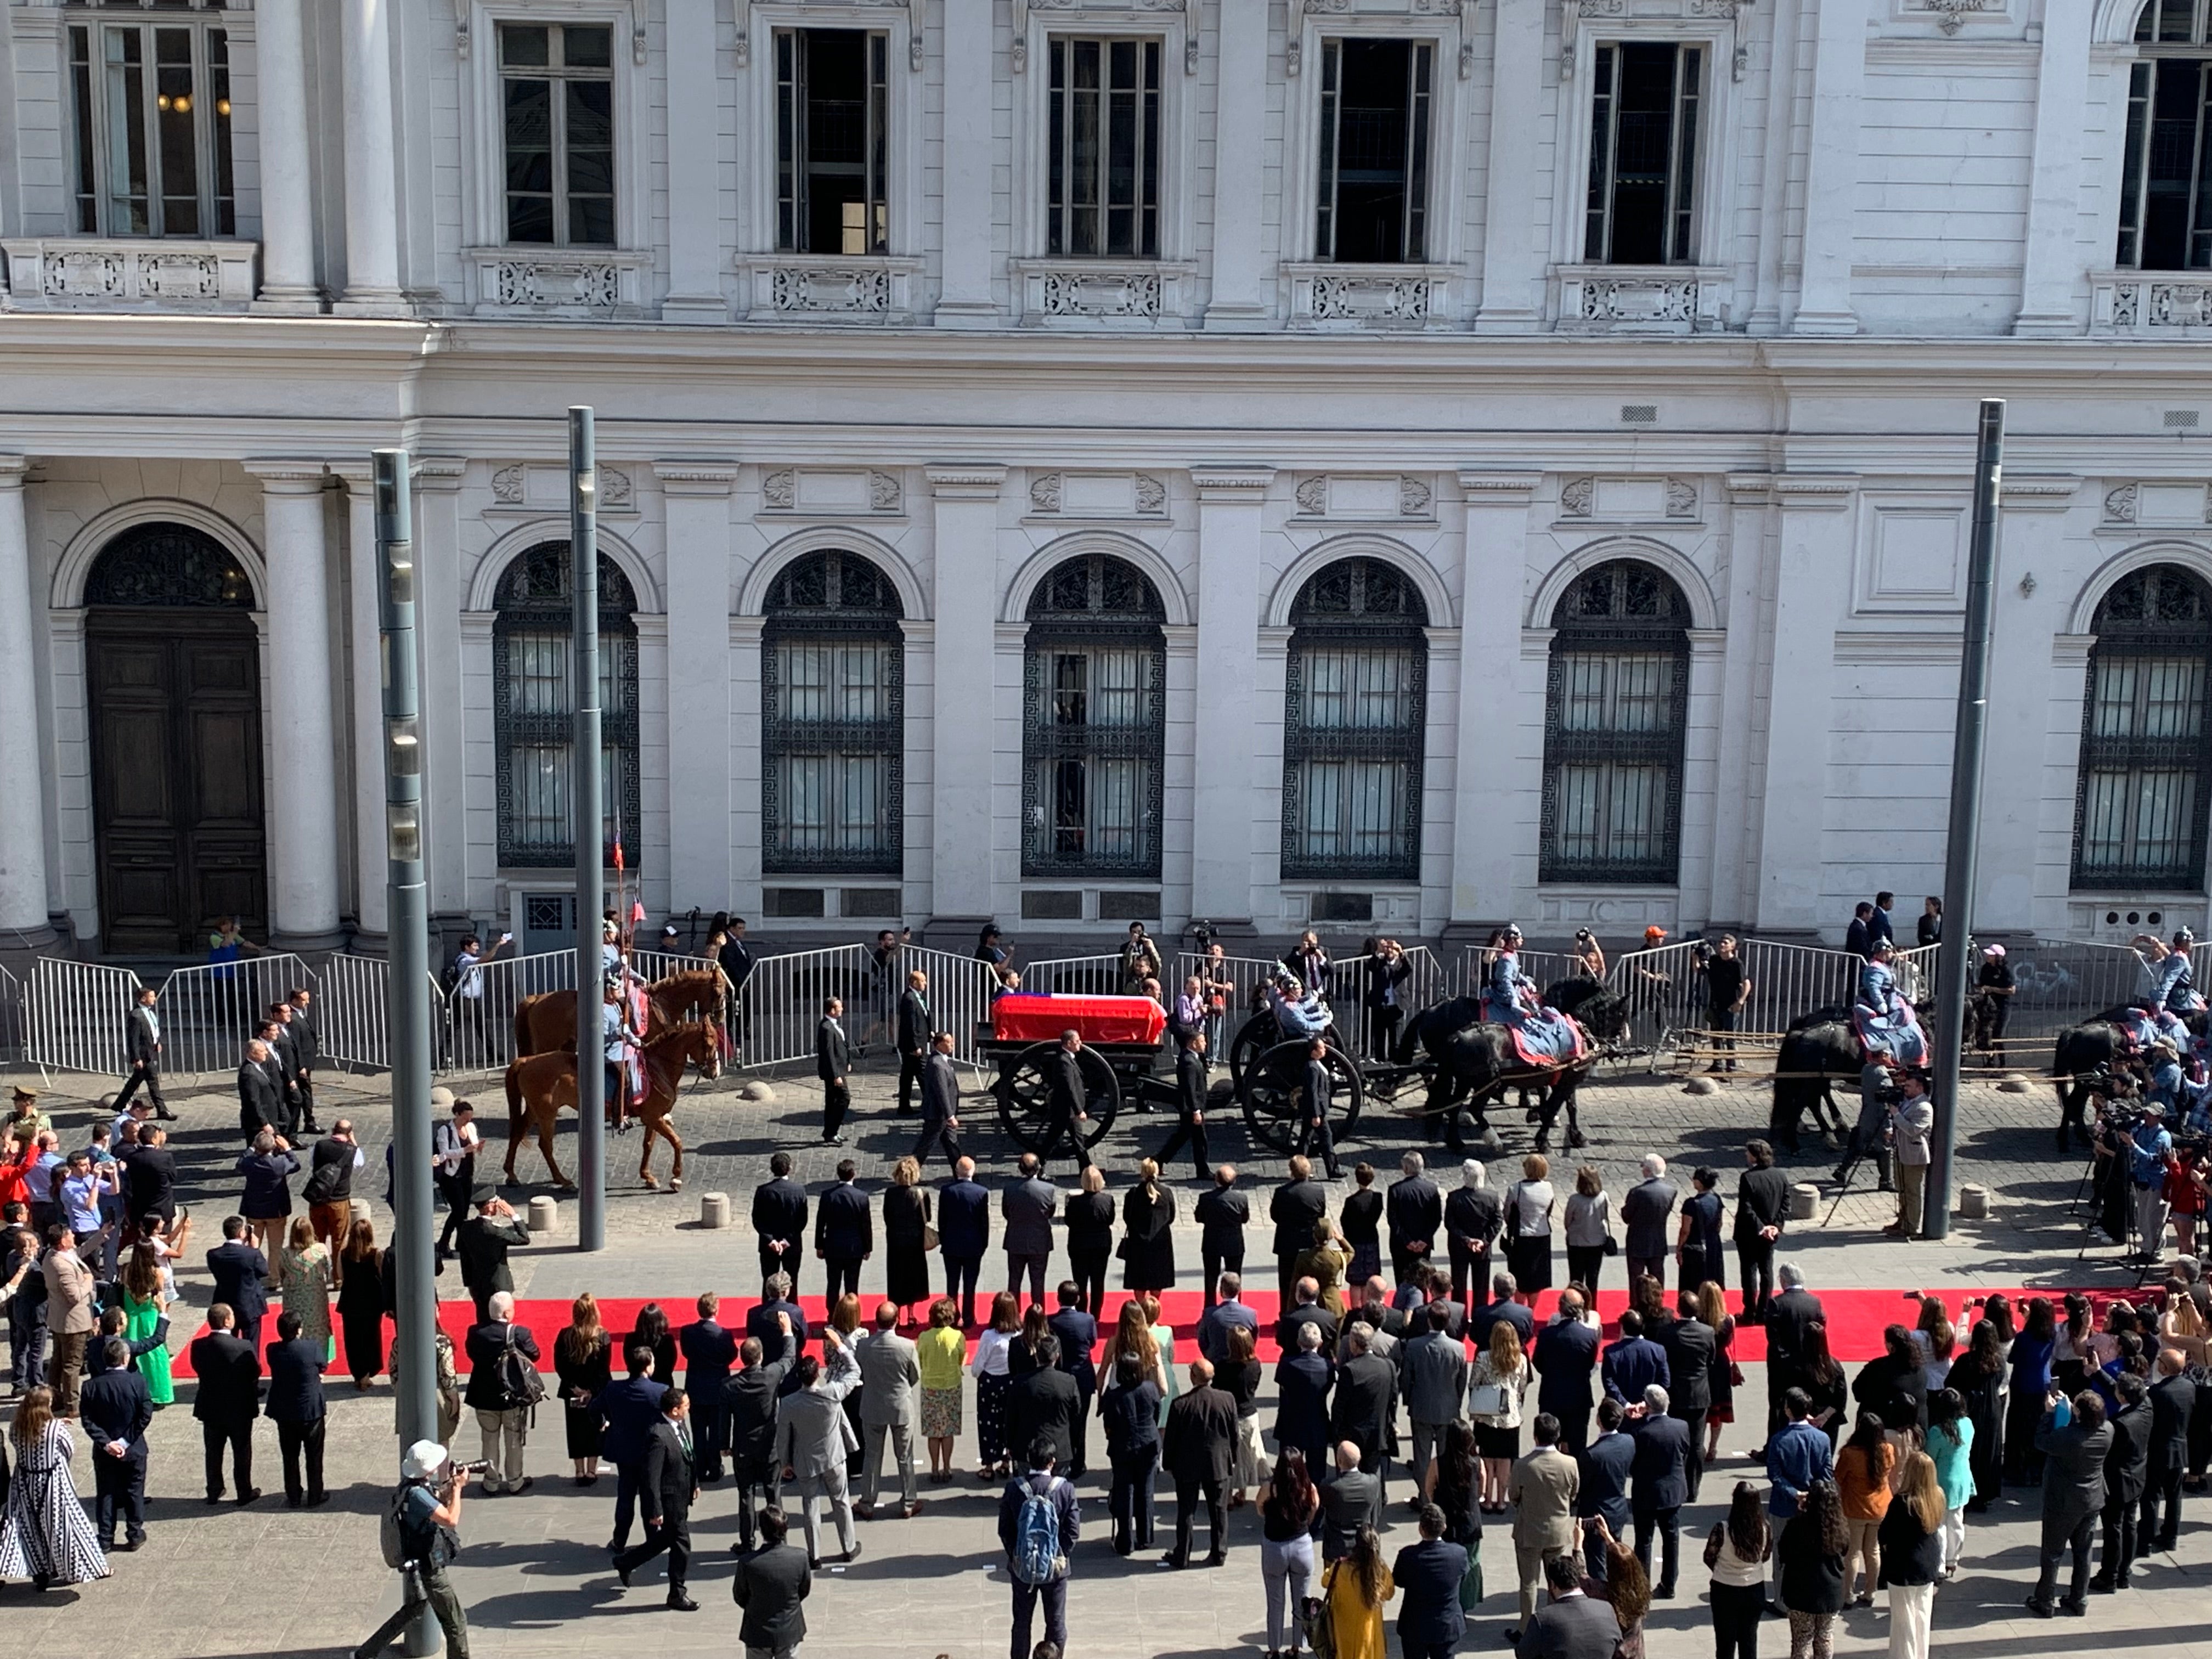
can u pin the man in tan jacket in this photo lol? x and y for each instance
(1542, 1489)
(70, 1317)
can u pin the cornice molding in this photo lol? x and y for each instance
(14, 471)
(1230, 481)
(288, 477)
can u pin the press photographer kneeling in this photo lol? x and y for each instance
(422, 1533)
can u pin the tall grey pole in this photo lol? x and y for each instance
(1954, 962)
(407, 1010)
(585, 788)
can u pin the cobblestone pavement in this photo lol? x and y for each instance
(534, 1575)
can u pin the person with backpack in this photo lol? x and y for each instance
(504, 1389)
(420, 1533)
(1039, 1524)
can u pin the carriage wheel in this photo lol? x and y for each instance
(1269, 1094)
(1253, 1038)
(1025, 1100)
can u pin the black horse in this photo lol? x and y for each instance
(2086, 1053)
(1475, 1063)
(1819, 1048)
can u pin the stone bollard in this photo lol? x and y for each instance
(758, 1092)
(544, 1216)
(1974, 1203)
(715, 1210)
(2014, 1083)
(1700, 1085)
(1804, 1200)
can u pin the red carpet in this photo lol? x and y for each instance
(1857, 1319)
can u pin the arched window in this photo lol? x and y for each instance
(167, 564)
(1615, 707)
(534, 703)
(833, 706)
(2139, 807)
(1354, 705)
(2165, 189)
(1094, 679)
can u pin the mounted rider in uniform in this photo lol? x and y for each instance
(620, 1034)
(1300, 1013)
(1890, 1040)
(1510, 998)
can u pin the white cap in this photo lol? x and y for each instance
(423, 1459)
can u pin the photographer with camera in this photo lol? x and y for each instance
(1911, 1121)
(421, 1532)
(2149, 1151)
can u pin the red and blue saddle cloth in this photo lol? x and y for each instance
(1543, 1037)
(1891, 1035)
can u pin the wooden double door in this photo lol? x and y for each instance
(177, 786)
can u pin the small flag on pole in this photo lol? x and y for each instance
(636, 912)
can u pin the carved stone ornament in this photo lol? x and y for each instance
(1575, 496)
(507, 485)
(614, 486)
(883, 492)
(1723, 9)
(1151, 494)
(1045, 492)
(2120, 505)
(1599, 7)
(780, 489)
(1955, 13)
(1413, 497)
(1681, 499)
(1313, 494)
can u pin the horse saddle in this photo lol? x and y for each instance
(1548, 1044)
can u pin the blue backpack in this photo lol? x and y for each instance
(1037, 1557)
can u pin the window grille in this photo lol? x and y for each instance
(1354, 716)
(833, 664)
(1094, 724)
(1616, 703)
(2139, 811)
(557, 97)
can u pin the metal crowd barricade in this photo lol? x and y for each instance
(1090, 976)
(1547, 968)
(1915, 971)
(74, 1015)
(479, 1010)
(1247, 973)
(209, 1012)
(782, 1001)
(350, 1013)
(959, 994)
(2062, 983)
(1787, 980)
(1664, 989)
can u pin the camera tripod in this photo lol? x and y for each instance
(1854, 1156)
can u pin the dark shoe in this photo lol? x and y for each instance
(1513, 1636)
(294, 1501)
(1218, 1558)
(2124, 1581)
(865, 1509)
(1884, 1186)
(679, 1602)
(524, 1484)
(166, 1116)
(107, 1547)
(215, 1497)
(622, 1574)
(1171, 1560)
(2101, 1584)
(2074, 1609)
(248, 1497)
(1664, 1593)
(907, 1511)
(2041, 1609)
(317, 1499)
(130, 1544)
(851, 1554)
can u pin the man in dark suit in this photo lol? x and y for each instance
(914, 1026)
(1027, 1208)
(1415, 1209)
(1303, 1377)
(1605, 1466)
(1225, 1315)
(1349, 1499)
(1787, 1317)
(1427, 1575)
(1076, 1331)
(735, 959)
(149, 1176)
(241, 1276)
(709, 1351)
(1472, 1215)
(833, 1060)
(296, 1407)
(1762, 1214)
(1314, 1092)
(1632, 1364)
(260, 1098)
(1191, 1087)
(2172, 1399)
(964, 1233)
(1198, 1448)
(228, 1401)
(1692, 1348)
(115, 1407)
(770, 1584)
(1365, 1409)
(1570, 1625)
(1566, 1356)
(2126, 1466)
(761, 1319)
(2075, 1441)
(1644, 1210)
(1222, 1214)
(1297, 1204)
(1661, 1483)
(307, 1048)
(750, 1398)
(1068, 1099)
(666, 1491)
(628, 1409)
(940, 1103)
(1305, 1308)
(1501, 1305)
(485, 1240)
(844, 1231)
(779, 1222)
(142, 1037)
(1044, 1404)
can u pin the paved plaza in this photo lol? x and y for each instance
(268, 1581)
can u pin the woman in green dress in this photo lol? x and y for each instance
(143, 1306)
(303, 1278)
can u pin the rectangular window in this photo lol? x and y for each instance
(1644, 154)
(1095, 727)
(1375, 108)
(557, 103)
(150, 138)
(2146, 714)
(832, 144)
(831, 748)
(537, 705)
(2166, 199)
(1105, 124)
(1351, 766)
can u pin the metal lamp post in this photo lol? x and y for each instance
(584, 772)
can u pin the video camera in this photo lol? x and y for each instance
(1202, 932)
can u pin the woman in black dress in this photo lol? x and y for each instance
(1147, 1241)
(906, 1215)
(360, 1304)
(581, 1356)
(1090, 1239)
(1977, 1377)
(1362, 1224)
(652, 1332)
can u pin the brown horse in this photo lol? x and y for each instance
(547, 1021)
(541, 1084)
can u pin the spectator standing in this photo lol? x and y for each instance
(771, 1584)
(1626, 1588)
(1433, 1366)
(1572, 1624)
(1295, 1205)
(1646, 1209)
(45, 1535)
(665, 1491)
(627, 1409)
(1473, 1216)
(1354, 1588)
(1737, 1551)
(709, 1350)
(814, 1438)
(118, 1408)
(1044, 1401)
(1809, 1569)
(1762, 1212)
(1428, 1574)
(227, 1401)
(1659, 1478)
(454, 1143)
(1858, 936)
(964, 1228)
(1529, 1224)
(1699, 1258)
(1147, 1247)
(1692, 1351)
(1039, 1524)
(939, 1353)
(1726, 992)
(1140, 970)
(1565, 1355)
(1130, 1411)
(1912, 1556)
(1542, 1491)
(914, 1026)
(296, 1362)
(1605, 1467)
(1929, 928)
(267, 1168)
(906, 1237)
(1198, 1448)
(779, 1222)
(1416, 1212)
(844, 1231)
(72, 1318)
(1911, 1121)
(1288, 1511)
(1364, 1408)
(1303, 1381)
(497, 1350)
(484, 1242)
(750, 1397)
(1222, 1214)
(583, 1362)
(1588, 1228)
(833, 1063)
(1798, 1459)
(2126, 1466)
(1076, 1331)
(1026, 1209)
(303, 1278)
(991, 1366)
(1090, 1239)
(240, 1272)
(1863, 1469)
(260, 1098)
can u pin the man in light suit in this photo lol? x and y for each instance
(890, 1375)
(1027, 1208)
(1542, 1491)
(813, 1438)
(1434, 1368)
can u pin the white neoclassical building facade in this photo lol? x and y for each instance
(1391, 465)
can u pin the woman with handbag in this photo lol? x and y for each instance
(582, 1360)
(1495, 1389)
(907, 1238)
(1588, 1228)
(1352, 1591)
